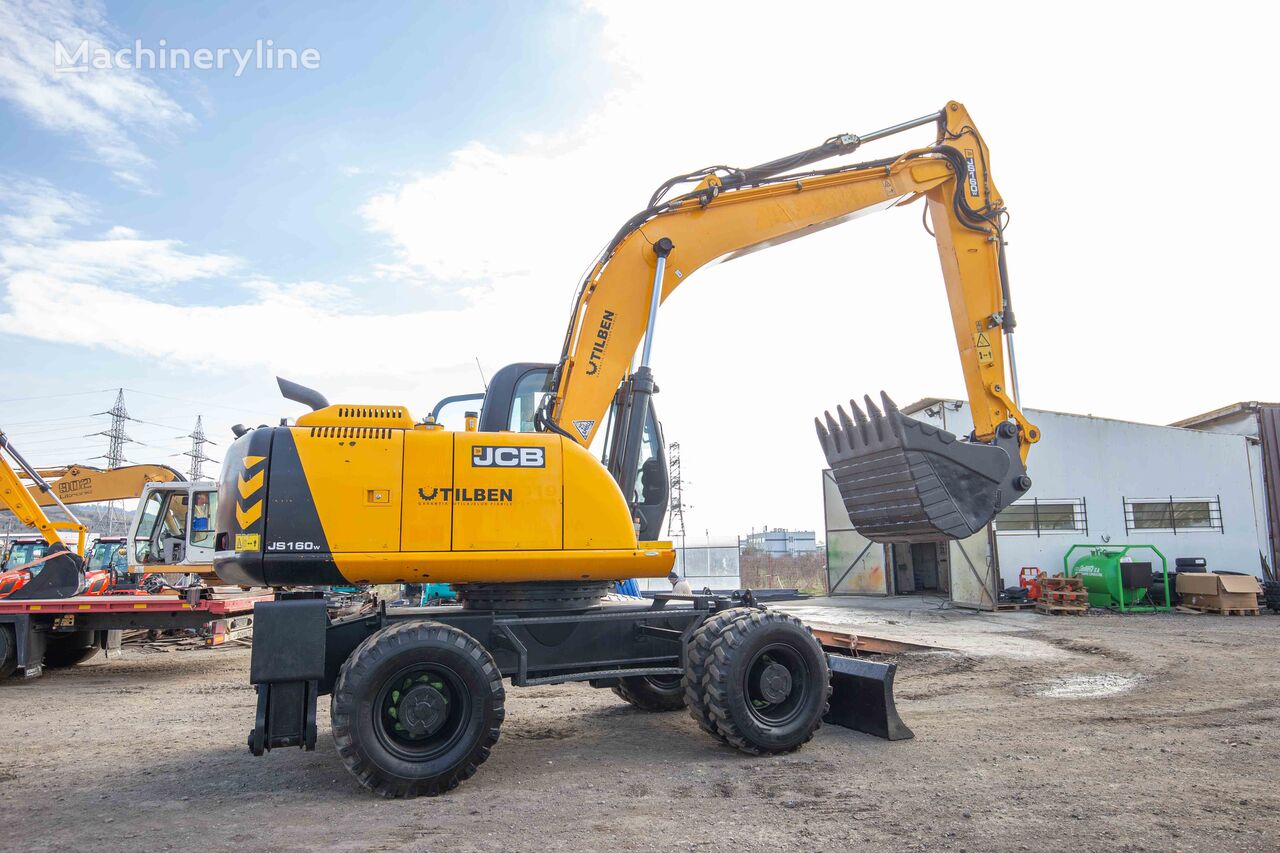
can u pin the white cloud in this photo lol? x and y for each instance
(106, 109)
(37, 209)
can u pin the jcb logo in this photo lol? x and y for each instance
(508, 457)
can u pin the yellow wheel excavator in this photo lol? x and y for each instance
(531, 528)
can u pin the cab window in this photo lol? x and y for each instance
(148, 520)
(175, 517)
(23, 553)
(527, 399)
(204, 508)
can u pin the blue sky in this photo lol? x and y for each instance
(431, 193)
(272, 166)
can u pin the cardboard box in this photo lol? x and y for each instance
(1218, 592)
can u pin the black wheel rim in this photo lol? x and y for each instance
(421, 711)
(664, 682)
(776, 683)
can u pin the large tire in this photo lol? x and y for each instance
(766, 683)
(652, 692)
(699, 654)
(8, 651)
(416, 709)
(69, 650)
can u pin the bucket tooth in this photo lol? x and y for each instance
(824, 437)
(834, 429)
(877, 419)
(892, 414)
(861, 419)
(903, 480)
(847, 426)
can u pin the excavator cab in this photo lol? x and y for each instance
(518, 392)
(905, 481)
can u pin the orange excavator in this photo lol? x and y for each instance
(43, 566)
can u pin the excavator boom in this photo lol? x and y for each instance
(896, 488)
(78, 484)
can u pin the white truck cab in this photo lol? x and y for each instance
(173, 527)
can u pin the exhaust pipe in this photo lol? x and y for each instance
(906, 481)
(302, 394)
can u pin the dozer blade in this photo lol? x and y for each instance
(862, 698)
(60, 576)
(905, 481)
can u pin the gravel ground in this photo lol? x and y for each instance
(1153, 732)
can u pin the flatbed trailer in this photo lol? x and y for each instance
(40, 633)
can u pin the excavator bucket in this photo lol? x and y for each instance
(60, 575)
(905, 481)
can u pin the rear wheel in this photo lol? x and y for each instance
(8, 651)
(416, 709)
(69, 650)
(652, 692)
(766, 683)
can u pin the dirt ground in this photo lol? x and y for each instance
(1036, 733)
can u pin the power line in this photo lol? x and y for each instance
(193, 402)
(118, 437)
(55, 396)
(198, 457)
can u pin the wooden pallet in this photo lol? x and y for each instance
(1009, 606)
(1223, 611)
(1071, 584)
(1051, 609)
(1063, 596)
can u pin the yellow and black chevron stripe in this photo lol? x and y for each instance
(261, 547)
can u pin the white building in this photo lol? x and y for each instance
(780, 542)
(1189, 492)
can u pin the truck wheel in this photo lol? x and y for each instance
(8, 651)
(69, 650)
(652, 692)
(699, 653)
(416, 709)
(766, 683)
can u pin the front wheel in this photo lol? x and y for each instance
(416, 709)
(766, 683)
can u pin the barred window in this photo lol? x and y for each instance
(1173, 515)
(1037, 517)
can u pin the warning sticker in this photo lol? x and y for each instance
(584, 428)
(248, 542)
(983, 344)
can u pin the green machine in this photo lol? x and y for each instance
(1118, 583)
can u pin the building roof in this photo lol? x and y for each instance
(924, 403)
(1209, 417)
(1192, 423)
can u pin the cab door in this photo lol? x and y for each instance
(204, 509)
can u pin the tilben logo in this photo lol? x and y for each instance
(445, 495)
(486, 456)
(600, 343)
